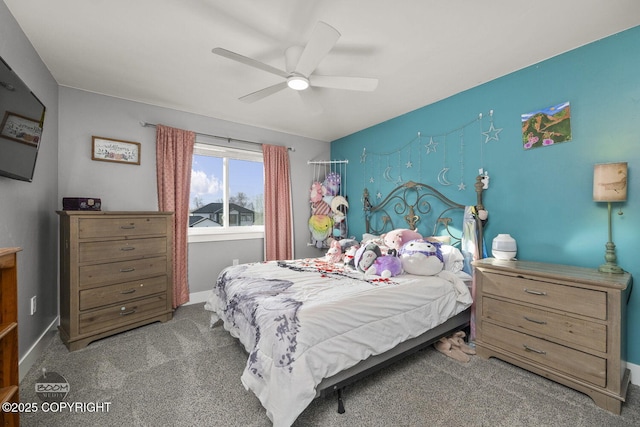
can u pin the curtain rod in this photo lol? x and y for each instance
(326, 162)
(145, 124)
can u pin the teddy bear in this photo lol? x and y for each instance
(421, 257)
(398, 237)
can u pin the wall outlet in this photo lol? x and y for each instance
(33, 305)
(236, 261)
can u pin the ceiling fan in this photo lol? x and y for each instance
(300, 65)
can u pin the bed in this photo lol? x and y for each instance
(311, 327)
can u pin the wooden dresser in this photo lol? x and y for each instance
(115, 273)
(9, 376)
(564, 323)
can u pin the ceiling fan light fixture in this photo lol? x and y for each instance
(296, 82)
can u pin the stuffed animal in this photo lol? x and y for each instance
(320, 227)
(350, 254)
(386, 266)
(365, 256)
(334, 254)
(315, 192)
(331, 184)
(320, 208)
(421, 257)
(369, 260)
(395, 239)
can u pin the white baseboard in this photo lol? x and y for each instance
(37, 349)
(635, 373)
(198, 297)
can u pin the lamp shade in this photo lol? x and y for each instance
(610, 182)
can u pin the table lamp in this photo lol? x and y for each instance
(610, 185)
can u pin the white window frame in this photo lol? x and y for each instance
(225, 233)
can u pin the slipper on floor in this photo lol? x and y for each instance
(444, 346)
(459, 343)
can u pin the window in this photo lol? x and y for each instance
(226, 200)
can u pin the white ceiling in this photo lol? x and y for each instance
(159, 51)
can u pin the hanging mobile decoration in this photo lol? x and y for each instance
(442, 175)
(461, 186)
(409, 164)
(387, 172)
(363, 156)
(492, 133)
(399, 180)
(431, 146)
(419, 157)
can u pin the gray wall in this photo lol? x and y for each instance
(131, 187)
(27, 210)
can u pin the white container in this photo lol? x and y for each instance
(504, 247)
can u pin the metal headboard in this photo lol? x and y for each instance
(411, 202)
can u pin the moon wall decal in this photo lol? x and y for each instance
(442, 177)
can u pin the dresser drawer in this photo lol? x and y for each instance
(572, 362)
(120, 227)
(113, 294)
(122, 271)
(570, 299)
(121, 314)
(113, 250)
(552, 326)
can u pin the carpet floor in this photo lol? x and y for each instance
(183, 373)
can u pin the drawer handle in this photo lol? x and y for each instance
(128, 227)
(539, 322)
(130, 291)
(127, 270)
(127, 248)
(526, 347)
(126, 313)
(531, 291)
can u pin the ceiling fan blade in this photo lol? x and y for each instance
(248, 61)
(322, 40)
(364, 84)
(310, 101)
(263, 93)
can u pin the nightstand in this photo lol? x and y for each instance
(565, 323)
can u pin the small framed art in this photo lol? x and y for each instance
(21, 129)
(114, 150)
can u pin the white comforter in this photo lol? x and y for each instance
(302, 321)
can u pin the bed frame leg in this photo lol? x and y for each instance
(340, 402)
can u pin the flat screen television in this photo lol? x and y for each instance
(21, 120)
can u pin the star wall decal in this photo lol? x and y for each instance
(409, 164)
(492, 133)
(461, 186)
(371, 180)
(379, 195)
(431, 146)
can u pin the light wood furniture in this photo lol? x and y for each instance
(564, 323)
(9, 377)
(115, 273)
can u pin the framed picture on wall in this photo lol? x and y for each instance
(115, 150)
(21, 129)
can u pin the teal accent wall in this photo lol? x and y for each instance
(543, 196)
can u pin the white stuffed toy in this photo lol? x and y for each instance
(421, 257)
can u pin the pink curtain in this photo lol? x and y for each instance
(278, 234)
(174, 154)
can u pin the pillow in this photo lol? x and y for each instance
(366, 237)
(452, 258)
(445, 240)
